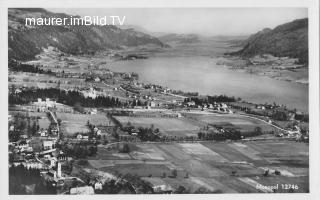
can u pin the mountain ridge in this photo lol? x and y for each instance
(25, 42)
(286, 40)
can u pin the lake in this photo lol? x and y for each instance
(201, 74)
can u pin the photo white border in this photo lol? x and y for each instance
(314, 147)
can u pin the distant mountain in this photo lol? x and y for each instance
(290, 39)
(179, 38)
(136, 28)
(27, 41)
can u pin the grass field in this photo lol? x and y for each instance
(224, 167)
(241, 122)
(170, 126)
(42, 120)
(73, 123)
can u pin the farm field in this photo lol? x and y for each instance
(170, 126)
(41, 118)
(44, 123)
(73, 123)
(240, 122)
(218, 167)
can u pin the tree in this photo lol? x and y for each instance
(181, 190)
(258, 130)
(266, 173)
(125, 148)
(92, 150)
(74, 182)
(174, 173)
(202, 190)
(78, 107)
(59, 122)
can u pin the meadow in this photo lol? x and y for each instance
(219, 167)
(73, 123)
(167, 126)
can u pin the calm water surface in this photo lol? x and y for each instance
(201, 74)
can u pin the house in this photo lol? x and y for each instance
(153, 104)
(54, 131)
(93, 111)
(17, 163)
(82, 137)
(191, 103)
(47, 144)
(22, 144)
(43, 133)
(79, 136)
(261, 107)
(85, 190)
(97, 185)
(162, 189)
(24, 136)
(97, 79)
(158, 185)
(98, 132)
(134, 134)
(41, 105)
(62, 157)
(223, 105)
(27, 150)
(91, 93)
(33, 165)
(95, 129)
(85, 137)
(36, 144)
(17, 91)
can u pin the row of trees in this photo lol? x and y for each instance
(231, 134)
(228, 134)
(20, 177)
(127, 184)
(22, 124)
(79, 150)
(20, 67)
(147, 134)
(70, 98)
(180, 92)
(113, 187)
(212, 99)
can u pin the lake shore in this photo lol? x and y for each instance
(284, 69)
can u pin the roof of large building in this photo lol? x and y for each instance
(82, 190)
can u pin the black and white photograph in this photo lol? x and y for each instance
(155, 100)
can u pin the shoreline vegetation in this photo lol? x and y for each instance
(279, 68)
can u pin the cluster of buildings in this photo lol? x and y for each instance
(48, 104)
(25, 151)
(93, 93)
(215, 107)
(41, 153)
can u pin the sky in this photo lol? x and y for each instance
(202, 21)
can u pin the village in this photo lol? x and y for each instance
(88, 129)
